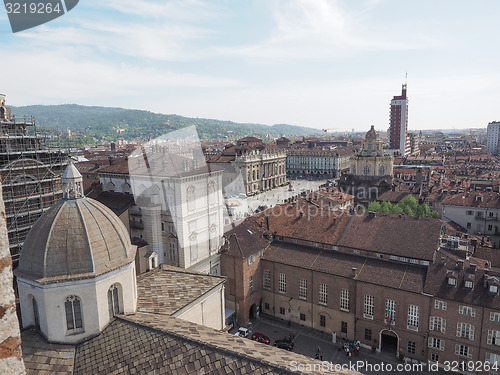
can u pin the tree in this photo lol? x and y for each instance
(386, 207)
(374, 206)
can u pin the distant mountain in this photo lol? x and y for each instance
(108, 122)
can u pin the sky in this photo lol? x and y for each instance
(317, 63)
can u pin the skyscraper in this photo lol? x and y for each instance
(398, 130)
(493, 137)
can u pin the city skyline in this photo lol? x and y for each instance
(322, 64)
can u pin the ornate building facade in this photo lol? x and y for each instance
(261, 167)
(371, 170)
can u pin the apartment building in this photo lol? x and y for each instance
(378, 278)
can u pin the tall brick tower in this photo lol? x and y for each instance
(398, 130)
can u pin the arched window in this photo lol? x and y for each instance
(113, 301)
(366, 170)
(190, 198)
(381, 170)
(73, 306)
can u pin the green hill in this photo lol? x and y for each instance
(106, 123)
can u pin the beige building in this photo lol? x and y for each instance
(251, 166)
(371, 160)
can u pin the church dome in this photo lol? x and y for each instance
(78, 237)
(371, 135)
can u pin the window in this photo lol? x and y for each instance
(393, 257)
(465, 330)
(493, 337)
(469, 225)
(323, 294)
(343, 327)
(381, 170)
(495, 317)
(267, 279)
(463, 350)
(452, 281)
(390, 308)
(468, 212)
(493, 289)
(172, 251)
(468, 284)
(440, 305)
(436, 343)
(302, 288)
(113, 302)
(266, 306)
(303, 317)
(251, 259)
(411, 347)
(190, 198)
(435, 357)
(251, 284)
(368, 334)
(73, 313)
(366, 170)
(413, 316)
(437, 323)
(322, 321)
(467, 311)
(282, 310)
(344, 300)
(282, 283)
(368, 307)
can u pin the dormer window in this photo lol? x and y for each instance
(452, 281)
(493, 289)
(469, 284)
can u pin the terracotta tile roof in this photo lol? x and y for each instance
(474, 199)
(42, 358)
(168, 289)
(371, 270)
(437, 284)
(394, 234)
(303, 220)
(488, 253)
(246, 239)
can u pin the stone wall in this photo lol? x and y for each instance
(10, 337)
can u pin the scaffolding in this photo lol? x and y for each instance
(31, 176)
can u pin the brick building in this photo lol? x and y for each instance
(376, 278)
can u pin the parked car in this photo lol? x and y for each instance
(260, 337)
(242, 332)
(284, 344)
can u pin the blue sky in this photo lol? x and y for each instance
(317, 63)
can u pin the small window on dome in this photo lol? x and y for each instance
(74, 321)
(113, 300)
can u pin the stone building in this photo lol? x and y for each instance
(371, 170)
(178, 206)
(258, 166)
(320, 163)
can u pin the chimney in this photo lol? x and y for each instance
(472, 268)
(460, 264)
(443, 261)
